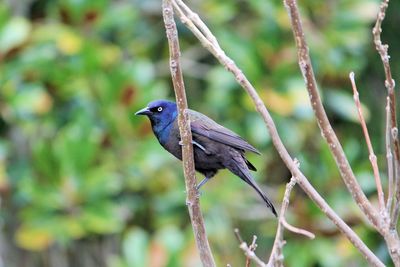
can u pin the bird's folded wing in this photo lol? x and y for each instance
(203, 125)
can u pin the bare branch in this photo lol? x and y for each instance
(249, 250)
(230, 65)
(322, 119)
(389, 159)
(276, 257)
(372, 156)
(297, 230)
(186, 136)
(390, 84)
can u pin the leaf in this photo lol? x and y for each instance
(69, 43)
(14, 33)
(33, 238)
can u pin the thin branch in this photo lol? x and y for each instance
(389, 159)
(322, 119)
(249, 250)
(372, 156)
(276, 256)
(230, 65)
(391, 235)
(296, 230)
(390, 84)
(252, 247)
(186, 136)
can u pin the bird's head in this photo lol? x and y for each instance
(160, 112)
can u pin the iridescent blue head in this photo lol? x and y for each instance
(161, 113)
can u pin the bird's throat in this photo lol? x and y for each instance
(162, 131)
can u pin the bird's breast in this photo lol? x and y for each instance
(169, 138)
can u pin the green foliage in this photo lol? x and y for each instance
(76, 164)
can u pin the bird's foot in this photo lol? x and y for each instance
(199, 193)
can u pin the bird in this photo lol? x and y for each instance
(214, 146)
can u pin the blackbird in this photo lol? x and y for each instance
(214, 146)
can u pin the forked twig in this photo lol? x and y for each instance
(249, 250)
(372, 156)
(276, 257)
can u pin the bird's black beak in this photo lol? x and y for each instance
(143, 111)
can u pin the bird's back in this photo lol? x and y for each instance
(204, 126)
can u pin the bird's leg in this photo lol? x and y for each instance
(205, 180)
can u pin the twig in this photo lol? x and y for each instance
(372, 156)
(389, 158)
(296, 230)
(186, 136)
(249, 250)
(276, 257)
(390, 84)
(252, 247)
(230, 65)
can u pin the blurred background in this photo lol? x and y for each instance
(83, 182)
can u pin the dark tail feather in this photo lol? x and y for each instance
(246, 176)
(251, 166)
(264, 197)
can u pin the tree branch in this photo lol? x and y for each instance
(326, 129)
(372, 156)
(389, 159)
(230, 65)
(276, 257)
(249, 250)
(390, 84)
(186, 136)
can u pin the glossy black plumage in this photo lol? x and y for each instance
(215, 147)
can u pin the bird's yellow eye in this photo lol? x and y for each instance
(159, 109)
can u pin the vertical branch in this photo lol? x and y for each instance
(322, 119)
(186, 136)
(390, 84)
(276, 257)
(389, 158)
(372, 156)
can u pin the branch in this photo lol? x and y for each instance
(322, 119)
(186, 136)
(230, 65)
(276, 257)
(372, 156)
(249, 250)
(389, 159)
(390, 84)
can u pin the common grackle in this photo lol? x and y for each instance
(215, 147)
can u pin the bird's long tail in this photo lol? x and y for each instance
(241, 170)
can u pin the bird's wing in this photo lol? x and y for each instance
(203, 125)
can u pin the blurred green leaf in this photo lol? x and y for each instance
(14, 34)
